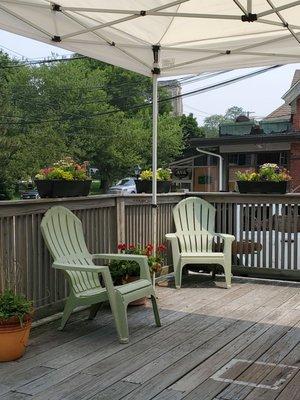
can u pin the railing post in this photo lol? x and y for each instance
(120, 214)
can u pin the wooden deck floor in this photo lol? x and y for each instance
(215, 344)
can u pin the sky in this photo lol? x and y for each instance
(259, 95)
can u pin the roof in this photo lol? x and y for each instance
(178, 36)
(284, 111)
(245, 139)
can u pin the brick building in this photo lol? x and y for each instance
(245, 144)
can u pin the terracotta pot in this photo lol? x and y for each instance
(138, 302)
(13, 338)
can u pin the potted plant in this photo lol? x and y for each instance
(124, 271)
(269, 178)
(163, 176)
(15, 323)
(65, 178)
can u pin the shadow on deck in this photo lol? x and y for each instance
(214, 344)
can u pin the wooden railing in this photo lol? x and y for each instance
(266, 229)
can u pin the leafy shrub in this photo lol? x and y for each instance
(14, 305)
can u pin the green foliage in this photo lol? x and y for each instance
(266, 172)
(211, 123)
(73, 109)
(14, 305)
(190, 128)
(121, 270)
(162, 174)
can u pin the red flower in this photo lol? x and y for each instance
(161, 248)
(122, 246)
(131, 246)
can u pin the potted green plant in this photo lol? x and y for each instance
(163, 176)
(65, 178)
(269, 178)
(15, 323)
(124, 271)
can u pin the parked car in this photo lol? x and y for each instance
(124, 186)
(30, 194)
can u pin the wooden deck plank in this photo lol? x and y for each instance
(131, 354)
(260, 373)
(204, 327)
(111, 346)
(292, 391)
(197, 355)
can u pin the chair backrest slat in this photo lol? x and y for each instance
(195, 223)
(63, 234)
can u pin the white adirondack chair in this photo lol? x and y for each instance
(195, 232)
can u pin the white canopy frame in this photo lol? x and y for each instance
(163, 37)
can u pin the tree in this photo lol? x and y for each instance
(211, 123)
(190, 128)
(80, 108)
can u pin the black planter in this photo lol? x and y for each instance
(262, 187)
(146, 186)
(61, 188)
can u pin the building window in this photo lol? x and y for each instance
(240, 159)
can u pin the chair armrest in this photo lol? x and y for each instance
(228, 239)
(141, 260)
(103, 270)
(225, 236)
(173, 239)
(79, 268)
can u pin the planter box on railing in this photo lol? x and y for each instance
(146, 186)
(62, 188)
(263, 187)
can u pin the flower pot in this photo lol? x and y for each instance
(146, 186)
(265, 187)
(62, 188)
(14, 338)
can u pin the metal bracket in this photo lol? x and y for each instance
(249, 17)
(155, 71)
(56, 7)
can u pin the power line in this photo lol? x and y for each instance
(191, 93)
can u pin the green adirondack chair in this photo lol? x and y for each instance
(63, 235)
(192, 243)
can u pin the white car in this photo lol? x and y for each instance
(124, 186)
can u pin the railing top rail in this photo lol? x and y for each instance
(22, 207)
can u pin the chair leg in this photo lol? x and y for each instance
(155, 310)
(178, 276)
(93, 310)
(120, 316)
(227, 270)
(69, 307)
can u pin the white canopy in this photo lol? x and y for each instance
(163, 37)
(192, 35)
